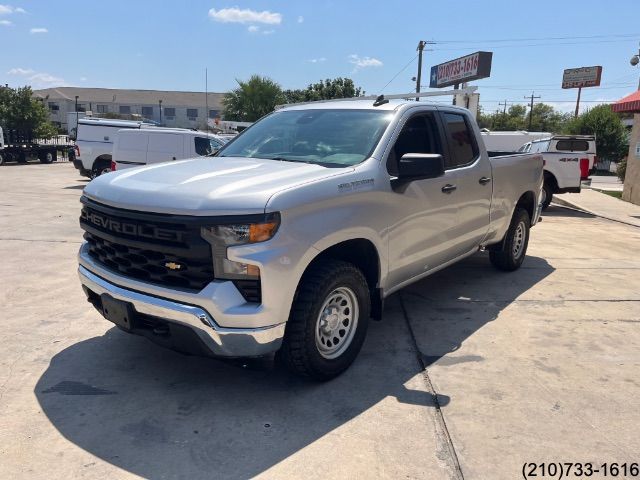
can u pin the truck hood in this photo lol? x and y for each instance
(204, 186)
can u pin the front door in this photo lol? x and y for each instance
(426, 210)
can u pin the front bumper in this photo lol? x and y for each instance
(182, 326)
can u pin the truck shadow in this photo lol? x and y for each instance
(159, 414)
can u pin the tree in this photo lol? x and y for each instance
(252, 99)
(325, 90)
(601, 121)
(544, 119)
(19, 110)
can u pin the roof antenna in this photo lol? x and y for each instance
(380, 101)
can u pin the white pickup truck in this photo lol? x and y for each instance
(567, 159)
(291, 237)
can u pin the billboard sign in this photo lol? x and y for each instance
(582, 77)
(463, 69)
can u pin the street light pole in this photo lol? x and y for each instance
(77, 117)
(160, 109)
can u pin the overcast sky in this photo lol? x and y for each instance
(167, 45)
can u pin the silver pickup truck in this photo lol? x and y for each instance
(290, 239)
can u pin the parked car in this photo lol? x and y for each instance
(509, 141)
(568, 160)
(94, 142)
(292, 236)
(133, 148)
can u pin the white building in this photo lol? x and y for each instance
(173, 109)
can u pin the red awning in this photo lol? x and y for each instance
(630, 103)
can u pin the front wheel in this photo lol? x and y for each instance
(509, 255)
(328, 321)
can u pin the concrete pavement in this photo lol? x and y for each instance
(602, 205)
(471, 373)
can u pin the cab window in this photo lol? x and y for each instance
(462, 142)
(419, 135)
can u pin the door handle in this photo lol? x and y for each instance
(448, 188)
(484, 180)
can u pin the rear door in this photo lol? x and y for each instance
(165, 147)
(473, 181)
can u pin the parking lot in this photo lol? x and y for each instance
(471, 373)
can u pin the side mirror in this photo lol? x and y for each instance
(418, 166)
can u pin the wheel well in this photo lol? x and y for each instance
(528, 202)
(102, 159)
(363, 254)
(551, 180)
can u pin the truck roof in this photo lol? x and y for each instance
(110, 122)
(342, 104)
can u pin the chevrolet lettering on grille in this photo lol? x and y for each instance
(131, 229)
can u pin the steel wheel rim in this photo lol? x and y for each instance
(518, 240)
(337, 322)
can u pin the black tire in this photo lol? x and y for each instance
(46, 157)
(100, 167)
(1, 159)
(300, 351)
(547, 194)
(509, 254)
(22, 158)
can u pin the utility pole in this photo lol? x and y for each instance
(420, 49)
(504, 104)
(421, 45)
(531, 108)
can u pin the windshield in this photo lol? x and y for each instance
(324, 137)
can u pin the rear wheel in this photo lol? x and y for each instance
(547, 195)
(100, 167)
(1, 159)
(328, 321)
(46, 157)
(509, 255)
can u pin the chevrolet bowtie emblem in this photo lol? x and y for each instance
(173, 266)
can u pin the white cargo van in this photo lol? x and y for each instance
(133, 148)
(94, 142)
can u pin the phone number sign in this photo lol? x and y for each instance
(463, 69)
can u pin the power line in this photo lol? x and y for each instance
(616, 35)
(396, 75)
(469, 47)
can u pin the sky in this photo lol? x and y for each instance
(167, 45)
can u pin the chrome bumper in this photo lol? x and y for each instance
(219, 341)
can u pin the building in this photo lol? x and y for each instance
(631, 104)
(173, 109)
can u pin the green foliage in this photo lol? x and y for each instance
(325, 90)
(601, 121)
(621, 169)
(252, 99)
(544, 119)
(19, 110)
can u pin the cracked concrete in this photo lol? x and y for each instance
(471, 373)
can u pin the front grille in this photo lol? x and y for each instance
(150, 265)
(165, 250)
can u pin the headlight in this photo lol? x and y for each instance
(222, 236)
